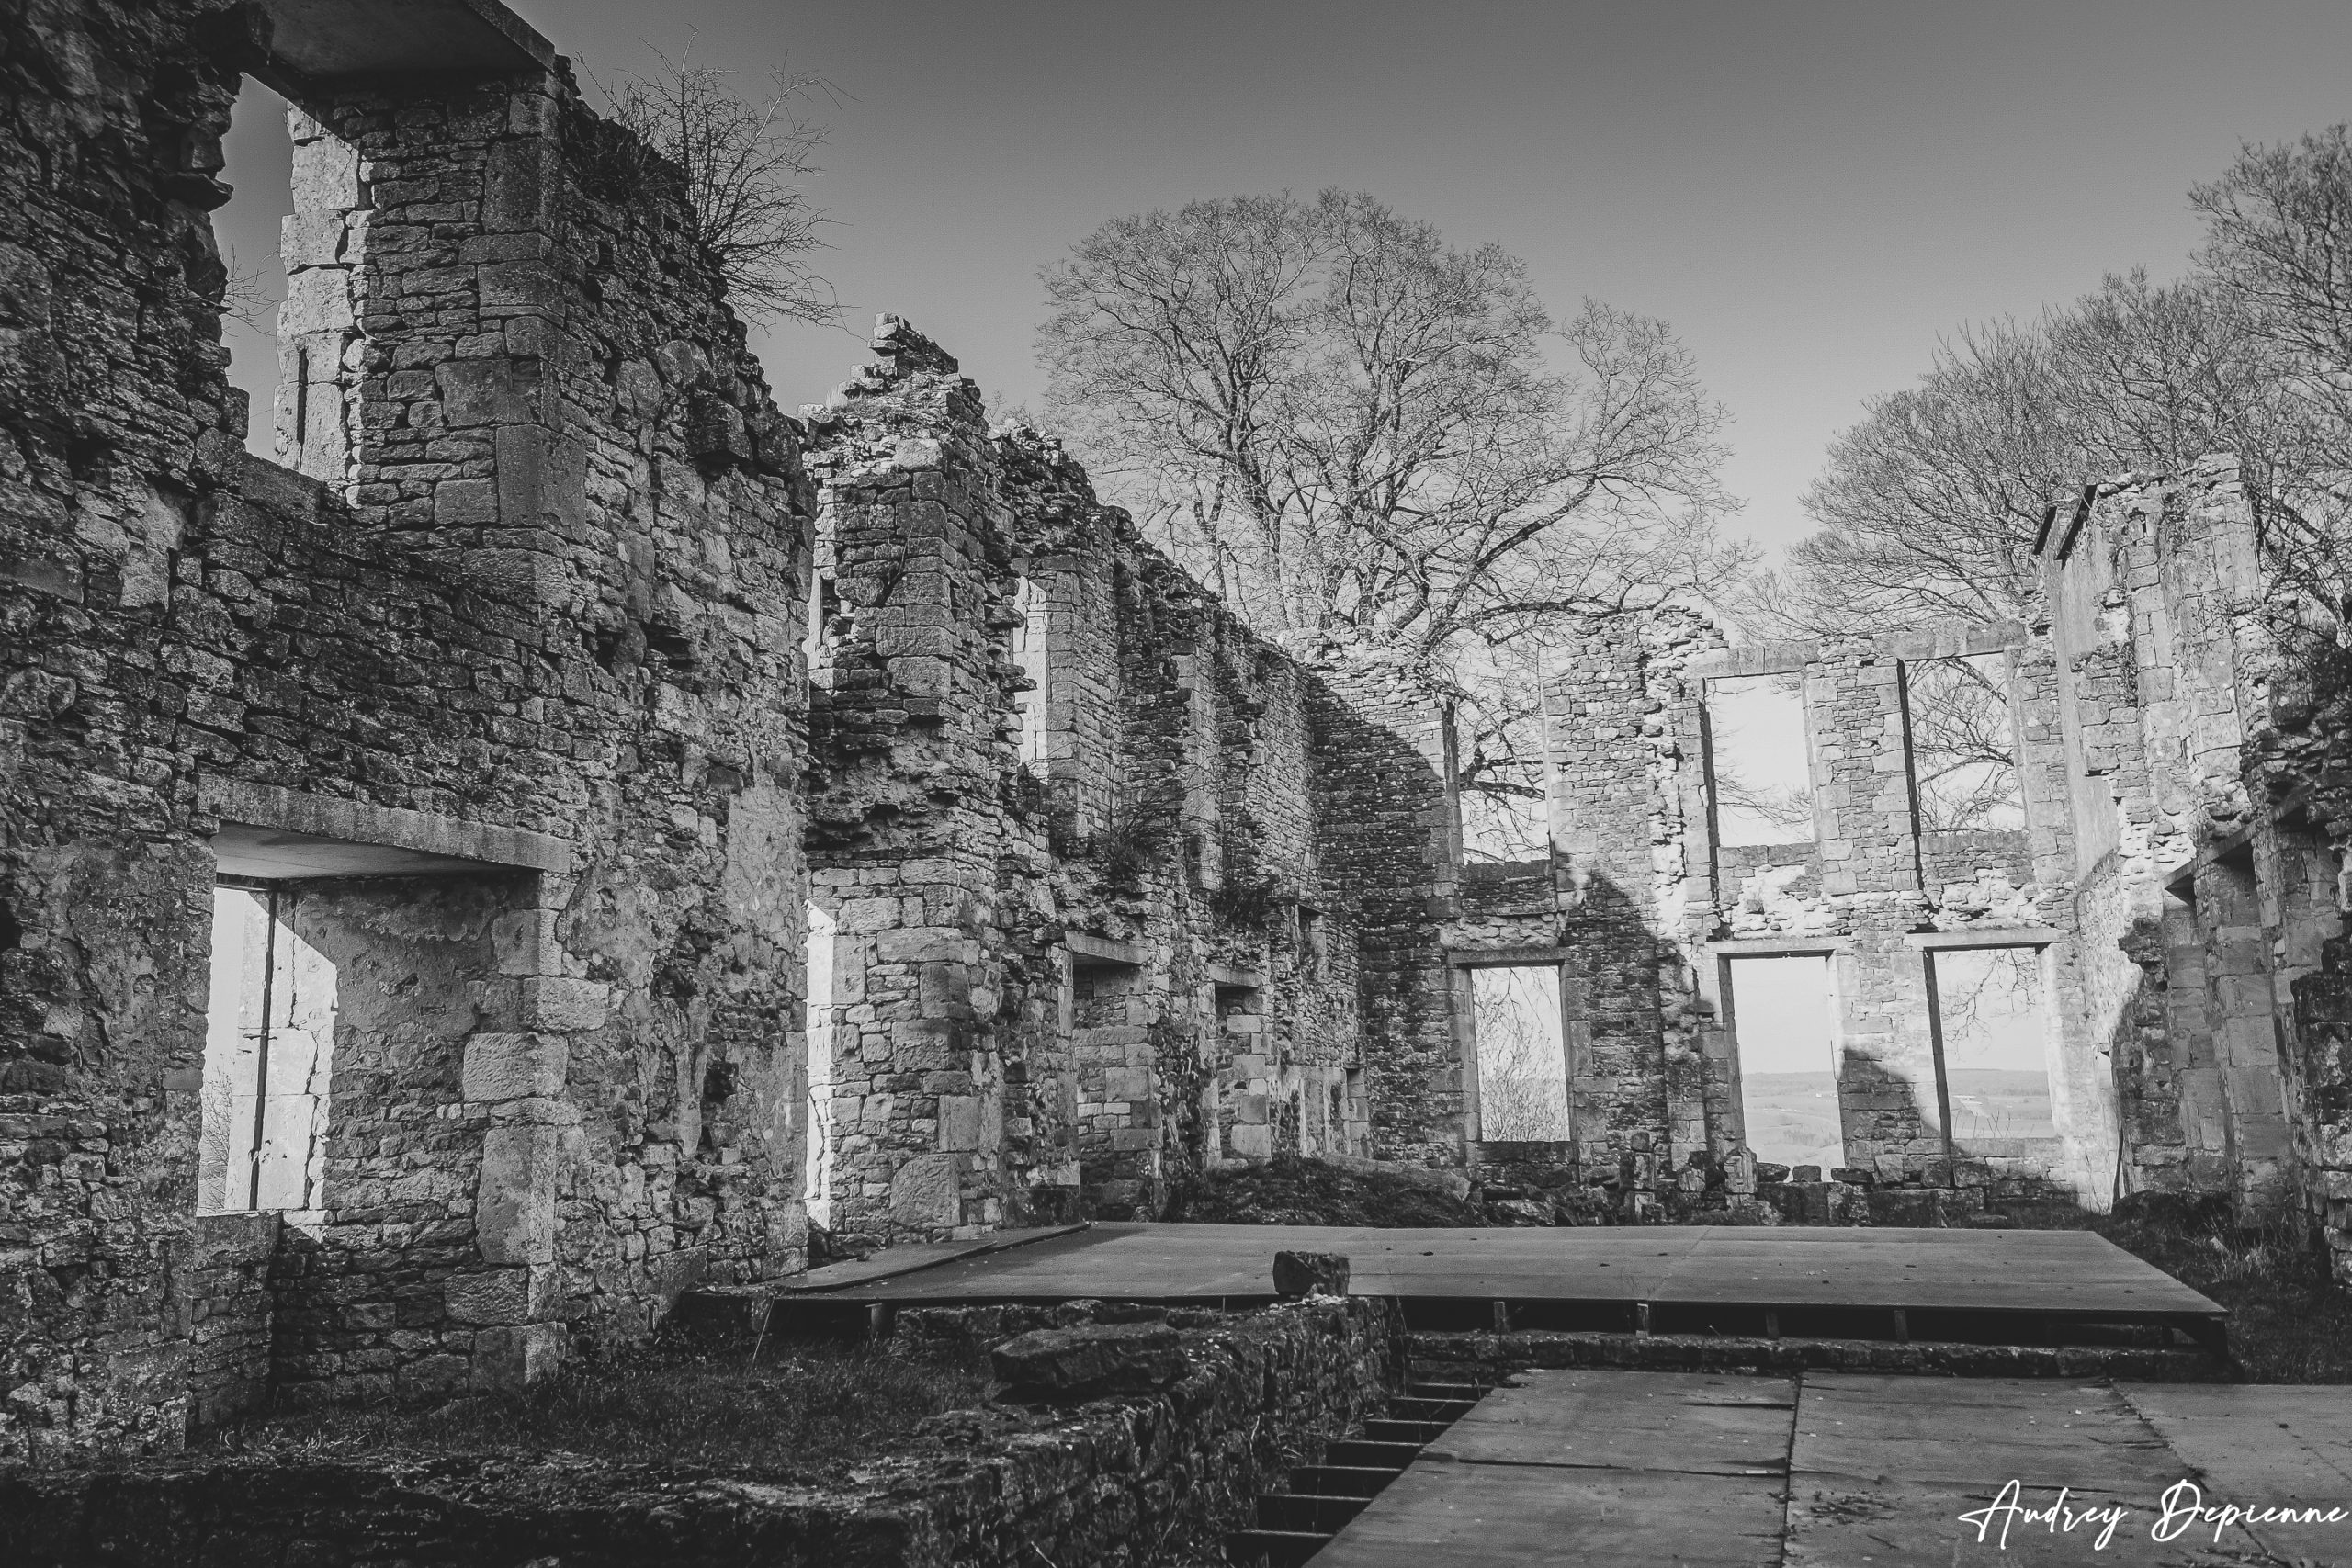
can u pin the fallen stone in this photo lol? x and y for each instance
(1310, 1274)
(1089, 1360)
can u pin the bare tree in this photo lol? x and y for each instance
(2278, 248)
(746, 165)
(1352, 429)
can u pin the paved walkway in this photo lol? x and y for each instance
(1634, 1469)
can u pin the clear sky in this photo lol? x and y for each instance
(1810, 192)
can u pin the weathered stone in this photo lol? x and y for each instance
(1310, 1274)
(1092, 1361)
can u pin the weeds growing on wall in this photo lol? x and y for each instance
(1143, 822)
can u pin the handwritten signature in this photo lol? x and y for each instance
(2181, 1509)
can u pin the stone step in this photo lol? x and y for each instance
(1416, 1433)
(1443, 1411)
(1273, 1548)
(1341, 1480)
(1364, 1454)
(1306, 1511)
(1451, 1393)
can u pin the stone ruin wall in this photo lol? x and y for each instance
(1645, 912)
(537, 594)
(2212, 832)
(1084, 951)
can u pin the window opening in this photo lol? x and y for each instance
(1788, 1060)
(817, 1171)
(1520, 1048)
(258, 159)
(1963, 745)
(1991, 1039)
(1759, 766)
(1029, 652)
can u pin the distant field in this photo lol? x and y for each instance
(1993, 1102)
(1792, 1117)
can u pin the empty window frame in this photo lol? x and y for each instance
(1758, 765)
(1963, 745)
(1518, 1041)
(1029, 652)
(1788, 1059)
(817, 1152)
(1993, 1045)
(268, 1050)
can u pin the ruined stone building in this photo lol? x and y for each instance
(566, 821)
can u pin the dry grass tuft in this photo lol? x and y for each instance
(807, 1412)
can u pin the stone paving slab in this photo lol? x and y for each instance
(1841, 1470)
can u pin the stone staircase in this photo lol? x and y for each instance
(1294, 1526)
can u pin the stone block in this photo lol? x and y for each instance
(506, 1359)
(514, 1067)
(500, 1297)
(922, 1193)
(514, 1216)
(571, 1005)
(959, 1122)
(1090, 1360)
(1310, 1274)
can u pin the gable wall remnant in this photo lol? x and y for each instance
(542, 576)
(1066, 979)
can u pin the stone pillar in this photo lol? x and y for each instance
(1865, 819)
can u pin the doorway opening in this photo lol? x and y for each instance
(268, 1054)
(1518, 1040)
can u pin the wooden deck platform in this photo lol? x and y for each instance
(1637, 1469)
(1872, 1283)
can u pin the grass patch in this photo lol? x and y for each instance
(807, 1412)
(2289, 1322)
(1289, 1191)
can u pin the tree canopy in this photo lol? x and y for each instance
(1350, 427)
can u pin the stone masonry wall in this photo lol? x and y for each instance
(2149, 581)
(1125, 1483)
(1085, 949)
(545, 576)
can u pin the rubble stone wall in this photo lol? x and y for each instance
(1139, 1479)
(1086, 949)
(544, 576)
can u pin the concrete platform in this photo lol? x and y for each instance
(1873, 1283)
(1634, 1469)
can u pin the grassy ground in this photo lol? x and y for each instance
(806, 1412)
(2288, 1322)
(1292, 1191)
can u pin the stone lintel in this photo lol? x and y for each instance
(1226, 974)
(330, 40)
(1779, 946)
(1944, 640)
(272, 834)
(1505, 957)
(1089, 949)
(1987, 936)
